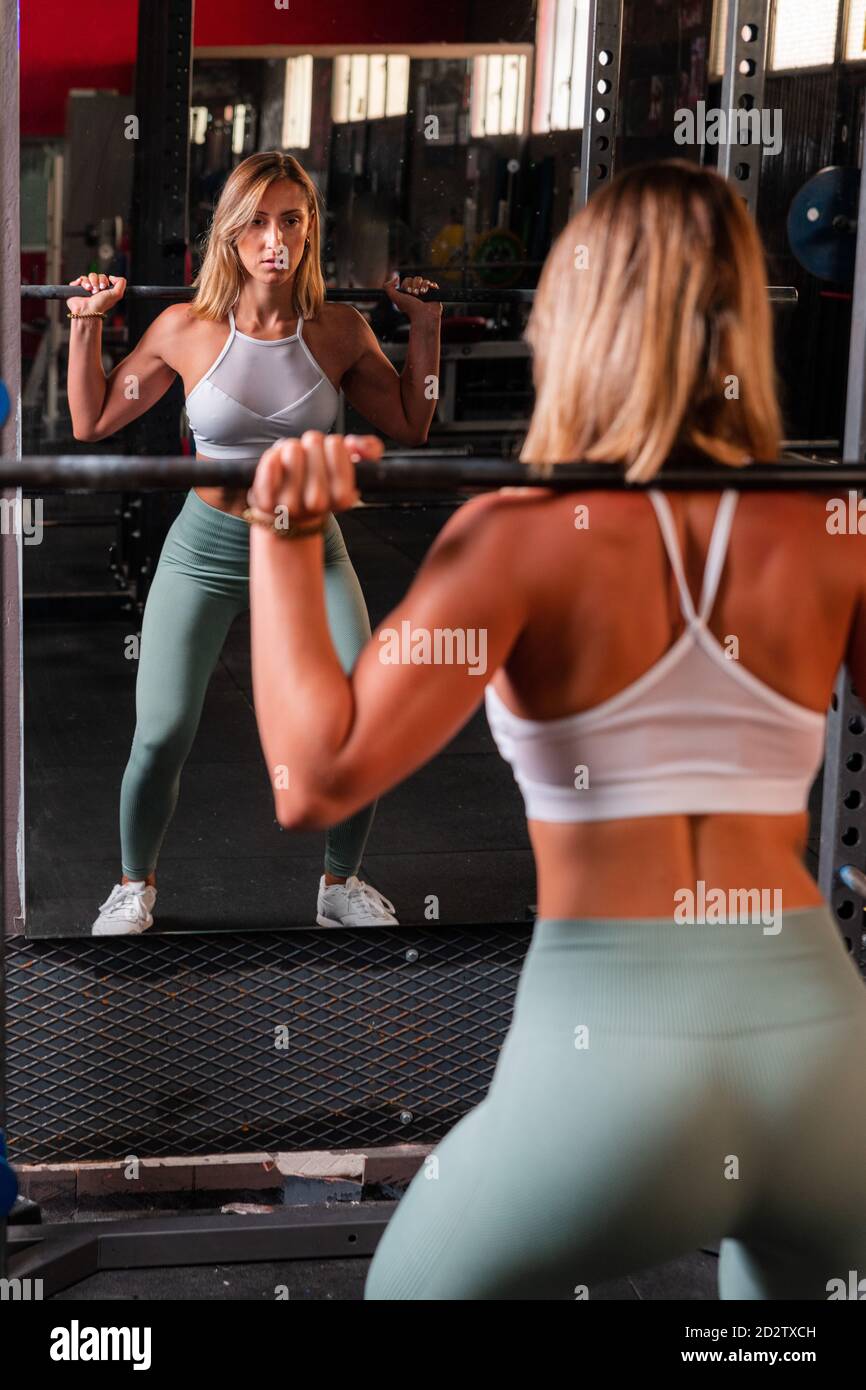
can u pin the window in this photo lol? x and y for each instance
(239, 127)
(498, 99)
(367, 86)
(855, 40)
(562, 38)
(298, 102)
(717, 40)
(804, 34)
(198, 119)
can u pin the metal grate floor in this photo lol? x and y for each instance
(181, 1044)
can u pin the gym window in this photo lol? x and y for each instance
(855, 39)
(368, 86)
(239, 116)
(498, 99)
(562, 38)
(298, 102)
(803, 35)
(198, 119)
(717, 40)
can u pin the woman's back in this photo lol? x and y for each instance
(604, 608)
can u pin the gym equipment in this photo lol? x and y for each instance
(822, 224)
(498, 255)
(778, 294)
(426, 472)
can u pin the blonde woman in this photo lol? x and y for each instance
(659, 667)
(260, 353)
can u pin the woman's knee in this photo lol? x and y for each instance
(161, 746)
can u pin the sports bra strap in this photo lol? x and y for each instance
(669, 536)
(715, 553)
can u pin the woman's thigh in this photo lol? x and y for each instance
(574, 1169)
(348, 620)
(183, 631)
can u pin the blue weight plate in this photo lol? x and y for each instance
(823, 245)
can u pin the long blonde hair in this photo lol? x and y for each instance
(651, 328)
(221, 276)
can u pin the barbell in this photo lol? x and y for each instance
(777, 294)
(427, 471)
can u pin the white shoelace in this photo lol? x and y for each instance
(123, 904)
(365, 901)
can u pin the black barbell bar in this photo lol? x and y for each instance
(778, 294)
(427, 472)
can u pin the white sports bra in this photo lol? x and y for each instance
(239, 407)
(695, 734)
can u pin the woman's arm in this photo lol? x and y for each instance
(401, 405)
(334, 743)
(100, 405)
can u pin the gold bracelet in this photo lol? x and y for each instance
(254, 516)
(84, 316)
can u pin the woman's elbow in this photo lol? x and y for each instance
(302, 810)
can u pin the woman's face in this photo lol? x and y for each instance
(272, 247)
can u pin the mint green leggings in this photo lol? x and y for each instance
(200, 586)
(661, 1087)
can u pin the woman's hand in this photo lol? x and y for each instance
(415, 309)
(101, 295)
(304, 479)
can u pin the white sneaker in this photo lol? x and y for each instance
(126, 910)
(353, 904)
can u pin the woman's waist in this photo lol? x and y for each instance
(232, 501)
(652, 976)
(713, 868)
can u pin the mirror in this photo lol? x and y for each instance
(456, 159)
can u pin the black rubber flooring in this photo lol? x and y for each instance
(454, 829)
(691, 1278)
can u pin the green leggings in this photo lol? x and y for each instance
(200, 586)
(718, 1093)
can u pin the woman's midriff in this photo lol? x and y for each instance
(635, 868)
(225, 499)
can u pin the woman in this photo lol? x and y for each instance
(659, 679)
(287, 355)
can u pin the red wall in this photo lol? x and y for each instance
(92, 43)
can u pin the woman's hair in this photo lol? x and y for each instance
(221, 276)
(652, 330)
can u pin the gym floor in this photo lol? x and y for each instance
(692, 1278)
(456, 828)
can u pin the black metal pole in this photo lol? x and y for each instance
(418, 472)
(778, 294)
